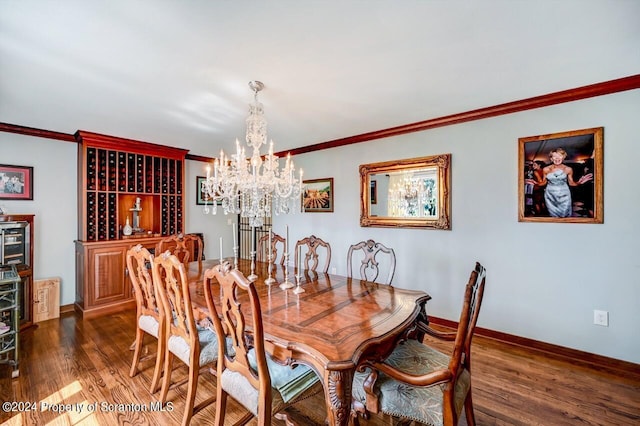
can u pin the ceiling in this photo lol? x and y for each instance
(177, 72)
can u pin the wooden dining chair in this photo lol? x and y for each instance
(366, 252)
(197, 348)
(419, 383)
(150, 319)
(310, 246)
(263, 249)
(187, 248)
(245, 371)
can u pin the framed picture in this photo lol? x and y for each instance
(317, 195)
(16, 182)
(374, 192)
(560, 177)
(201, 197)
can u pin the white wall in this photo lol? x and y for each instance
(544, 279)
(212, 226)
(54, 204)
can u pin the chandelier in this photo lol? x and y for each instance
(410, 196)
(252, 187)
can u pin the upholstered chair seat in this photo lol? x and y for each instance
(288, 385)
(208, 347)
(149, 324)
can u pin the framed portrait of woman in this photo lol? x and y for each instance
(560, 177)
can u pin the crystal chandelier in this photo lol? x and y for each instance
(409, 196)
(252, 187)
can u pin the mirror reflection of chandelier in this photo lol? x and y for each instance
(252, 187)
(408, 195)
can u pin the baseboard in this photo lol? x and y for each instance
(64, 309)
(586, 358)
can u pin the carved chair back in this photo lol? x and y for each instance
(186, 248)
(139, 261)
(263, 249)
(310, 247)
(367, 252)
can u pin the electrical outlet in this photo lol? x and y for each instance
(334, 271)
(601, 318)
(229, 221)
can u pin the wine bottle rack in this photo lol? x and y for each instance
(114, 172)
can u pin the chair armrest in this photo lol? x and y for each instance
(372, 403)
(448, 335)
(433, 378)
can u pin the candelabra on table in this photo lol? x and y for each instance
(253, 275)
(270, 280)
(286, 284)
(298, 288)
(235, 257)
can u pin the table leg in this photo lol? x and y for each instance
(337, 391)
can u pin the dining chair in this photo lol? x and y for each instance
(310, 246)
(419, 383)
(366, 252)
(263, 248)
(197, 348)
(245, 371)
(150, 319)
(186, 247)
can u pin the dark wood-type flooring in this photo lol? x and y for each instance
(71, 361)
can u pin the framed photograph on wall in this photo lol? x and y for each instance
(560, 177)
(201, 197)
(317, 195)
(16, 182)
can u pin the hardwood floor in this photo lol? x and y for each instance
(71, 361)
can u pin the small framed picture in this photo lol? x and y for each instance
(202, 197)
(16, 182)
(317, 195)
(560, 177)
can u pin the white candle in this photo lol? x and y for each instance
(286, 241)
(299, 259)
(235, 242)
(220, 249)
(253, 239)
(270, 246)
(208, 172)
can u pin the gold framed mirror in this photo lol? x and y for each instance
(409, 193)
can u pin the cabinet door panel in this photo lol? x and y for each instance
(108, 272)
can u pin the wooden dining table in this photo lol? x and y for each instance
(334, 325)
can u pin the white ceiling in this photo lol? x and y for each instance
(176, 72)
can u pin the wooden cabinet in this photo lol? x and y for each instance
(119, 180)
(102, 281)
(17, 237)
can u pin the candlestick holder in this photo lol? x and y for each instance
(235, 257)
(298, 288)
(286, 284)
(253, 275)
(270, 280)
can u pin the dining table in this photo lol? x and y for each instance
(334, 325)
